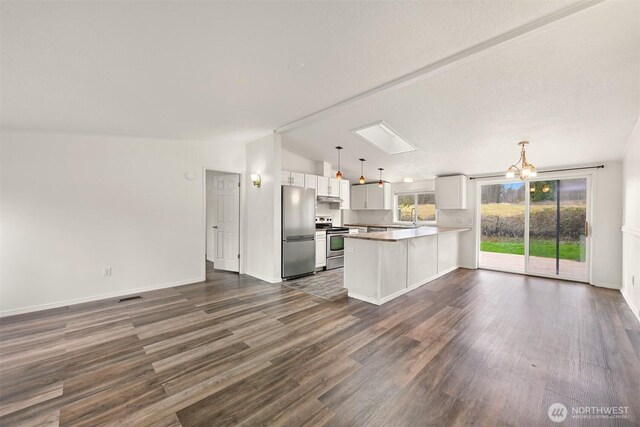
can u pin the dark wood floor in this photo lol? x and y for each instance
(473, 347)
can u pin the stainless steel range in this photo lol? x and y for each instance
(335, 242)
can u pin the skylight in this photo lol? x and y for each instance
(383, 137)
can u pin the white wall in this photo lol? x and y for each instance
(631, 223)
(606, 254)
(75, 204)
(263, 241)
(468, 254)
(294, 163)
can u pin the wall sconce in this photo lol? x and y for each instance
(256, 179)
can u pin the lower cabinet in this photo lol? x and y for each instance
(321, 249)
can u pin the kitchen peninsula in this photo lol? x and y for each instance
(381, 266)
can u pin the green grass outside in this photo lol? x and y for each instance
(541, 248)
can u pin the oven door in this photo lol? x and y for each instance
(335, 244)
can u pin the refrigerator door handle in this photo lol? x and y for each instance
(300, 238)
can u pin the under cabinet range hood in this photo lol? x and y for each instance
(329, 199)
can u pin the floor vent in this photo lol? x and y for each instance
(129, 298)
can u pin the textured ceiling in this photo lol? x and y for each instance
(573, 90)
(220, 70)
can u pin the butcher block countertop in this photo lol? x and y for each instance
(397, 235)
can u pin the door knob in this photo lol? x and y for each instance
(215, 226)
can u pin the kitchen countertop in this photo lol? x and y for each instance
(397, 235)
(400, 226)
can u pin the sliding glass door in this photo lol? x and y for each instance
(558, 228)
(502, 226)
(536, 227)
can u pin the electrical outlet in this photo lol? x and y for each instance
(459, 220)
(107, 272)
(469, 220)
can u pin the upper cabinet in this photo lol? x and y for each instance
(334, 187)
(371, 197)
(345, 194)
(451, 192)
(311, 181)
(323, 186)
(358, 197)
(328, 186)
(295, 179)
(379, 198)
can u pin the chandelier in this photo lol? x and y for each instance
(526, 169)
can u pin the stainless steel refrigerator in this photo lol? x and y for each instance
(298, 231)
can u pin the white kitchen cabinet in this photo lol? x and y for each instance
(285, 178)
(295, 179)
(371, 197)
(311, 181)
(379, 198)
(451, 192)
(323, 186)
(321, 249)
(334, 187)
(358, 197)
(345, 194)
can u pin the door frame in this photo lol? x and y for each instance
(241, 218)
(591, 179)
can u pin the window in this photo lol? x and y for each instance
(421, 206)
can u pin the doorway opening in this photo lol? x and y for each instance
(538, 227)
(222, 249)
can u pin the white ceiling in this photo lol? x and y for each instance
(219, 71)
(573, 90)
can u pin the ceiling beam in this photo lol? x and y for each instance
(483, 48)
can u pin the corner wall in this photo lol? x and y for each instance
(263, 236)
(631, 223)
(606, 248)
(73, 205)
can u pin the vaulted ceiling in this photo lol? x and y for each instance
(572, 90)
(234, 71)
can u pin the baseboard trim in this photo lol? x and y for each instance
(264, 278)
(631, 231)
(633, 308)
(364, 298)
(606, 285)
(122, 293)
(447, 271)
(401, 292)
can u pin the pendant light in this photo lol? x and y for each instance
(526, 169)
(339, 174)
(380, 183)
(362, 180)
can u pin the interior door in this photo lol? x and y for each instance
(558, 229)
(227, 222)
